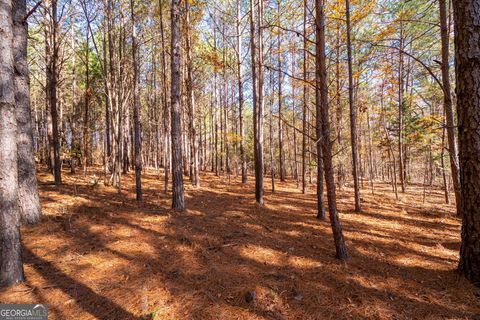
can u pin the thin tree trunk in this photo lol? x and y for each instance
(240, 95)
(339, 111)
(52, 83)
(370, 155)
(390, 145)
(294, 116)
(191, 102)
(270, 144)
(87, 106)
(400, 110)
(136, 109)
(442, 164)
(319, 55)
(108, 107)
(257, 75)
(166, 106)
(353, 113)
(178, 201)
(340, 247)
(447, 103)
(215, 103)
(282, 169)
(73, 125)
(305, 102)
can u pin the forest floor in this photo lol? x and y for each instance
(100, 255)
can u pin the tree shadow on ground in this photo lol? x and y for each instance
(118, 259)
(93, 303)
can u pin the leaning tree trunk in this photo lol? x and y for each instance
(11, 268)
(321, 71)
(29, 201)
(467, 54)
(178, 201)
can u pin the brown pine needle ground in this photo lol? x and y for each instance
(100, 255)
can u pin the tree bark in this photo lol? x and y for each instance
(29, 202)
(305, 101)
(11, 267)
(294, 115)
(340, 247)
(467, 54)
(257, 75)
(447, 103)
(178, 201)
(339, 111)
(353, 113)
(73, 125)
(52, 83)
(166, 106)
(136, 109)
(442, 165)
(87, 105)
(319, 53)
(270, 134)
(401, 158)
(194, 171)
(282, 169)
(240, 95)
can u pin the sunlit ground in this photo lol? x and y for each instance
(100, 255)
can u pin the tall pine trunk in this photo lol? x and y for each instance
(257, 76)
(29, 201)
(87, 106)
(178, 201)
(166, 105)
(321, 74)
(240, 95)
(401, 106)
(194, 170)
(467, 54)
(305, 101)
(52, 52)
(282, 169)
(353, 112)
(447, 103)
(136, 109)
(319, 55)
(11, 268)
